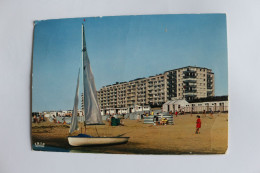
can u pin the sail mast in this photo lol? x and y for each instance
(82, 30)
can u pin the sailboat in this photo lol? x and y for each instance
(91, 108)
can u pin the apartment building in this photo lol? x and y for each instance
(183, 83)
(190, 82)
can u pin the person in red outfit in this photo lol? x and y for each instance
(198, 124)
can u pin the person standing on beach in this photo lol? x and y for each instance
(198, 125)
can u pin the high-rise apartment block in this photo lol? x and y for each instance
(183, 83)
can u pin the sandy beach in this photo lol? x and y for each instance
(179, 138)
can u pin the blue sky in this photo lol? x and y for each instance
(123, 48)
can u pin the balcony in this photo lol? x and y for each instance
(189, 76)
(190, 94)
(191, 91)
(189, 71)
(190, 84)
(189, 80)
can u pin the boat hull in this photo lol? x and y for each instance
(89, 141)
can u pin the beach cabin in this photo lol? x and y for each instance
(46, 114)
(109, 111)
(215, 104)
(146, 108)
(138, 108)
(53, 113)
(122, 111)
(175, 105)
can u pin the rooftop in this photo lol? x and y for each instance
(157, 75)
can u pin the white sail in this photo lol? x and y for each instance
(74, 119)
(91, 107)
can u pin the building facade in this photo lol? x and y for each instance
(202, 105)
(183, 83)
(189, 83)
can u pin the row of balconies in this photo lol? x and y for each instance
(141, 95)
(139, 100)
(189, 76)
(157, 99)
(107, 93)
(141, 88)
(100, 98)
(189, 72)
(142, 92)
(190, 84)
(190, 91)
(156, 91)
(189, 80)
(171, 74)
(190, 94)
(154, 82)
(129, 89)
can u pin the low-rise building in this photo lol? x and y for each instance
(209, 104)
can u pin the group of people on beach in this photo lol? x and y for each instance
(163, 121)
(176, 113)
(38, 119)
(59, 122)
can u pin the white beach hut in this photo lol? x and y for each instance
(175, 105)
